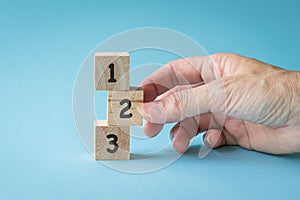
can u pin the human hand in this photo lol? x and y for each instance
(259, 103)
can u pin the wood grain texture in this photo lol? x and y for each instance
(135, 95)
(103, 144)
(102, 72)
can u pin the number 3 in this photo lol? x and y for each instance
(112, 142)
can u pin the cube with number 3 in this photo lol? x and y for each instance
(111, 142)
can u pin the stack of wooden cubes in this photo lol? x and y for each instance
(112, 136)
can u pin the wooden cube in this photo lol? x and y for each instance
(111, 71)
(123, 105)
(111, 142)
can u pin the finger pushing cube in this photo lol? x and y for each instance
(111, 70)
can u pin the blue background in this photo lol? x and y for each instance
(43, 43)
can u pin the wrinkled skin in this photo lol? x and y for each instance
(235, 99)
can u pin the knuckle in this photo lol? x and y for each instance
(175, 105)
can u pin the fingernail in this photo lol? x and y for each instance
(156, 113)
(172, 135)
(173, 132)
(141, 111)
(207, 140)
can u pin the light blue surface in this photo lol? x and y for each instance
(42, 44)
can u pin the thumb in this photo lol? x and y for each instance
(178, 105)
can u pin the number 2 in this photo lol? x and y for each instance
(122, 113)
(112, 142)
(112, 73)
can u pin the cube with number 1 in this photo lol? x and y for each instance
(111, 71)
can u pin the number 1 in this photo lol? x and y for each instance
(112, 73)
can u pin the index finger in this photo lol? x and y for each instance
(186, 71)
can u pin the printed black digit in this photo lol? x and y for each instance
(112, 73)
(112, 142)
(122, 113)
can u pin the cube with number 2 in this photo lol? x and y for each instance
(123, 107)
